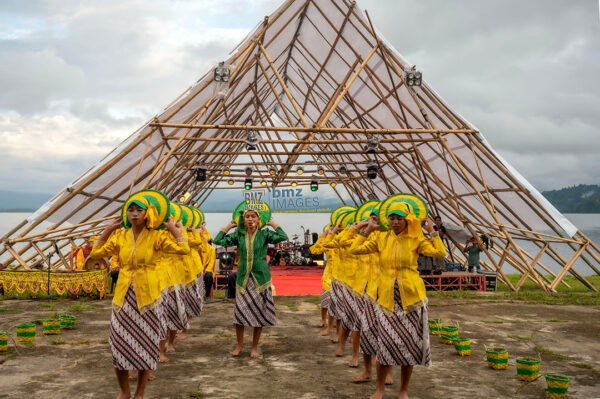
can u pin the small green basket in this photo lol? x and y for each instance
(435, 326)
(528, 368)
(497, 358)
(448, 334)
(26, 332)
(51, 327)
(463, 346)
(3, 341)
(67, 320)
(557, 386)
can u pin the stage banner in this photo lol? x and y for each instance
(75, 283)
(292, 200)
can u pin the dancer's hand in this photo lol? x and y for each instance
(428, 225)
(272, 223)
(229, 226)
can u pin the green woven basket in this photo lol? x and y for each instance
(528, 368)
(3, 341)
(51, 327)
(67, 320)
(448, 334)
(557, 386)
(497, 358)
(435, 326)
(26, 332)
(463, 346)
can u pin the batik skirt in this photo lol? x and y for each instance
(253, 309)
(325, 299)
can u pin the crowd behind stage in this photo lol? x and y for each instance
(371, 286)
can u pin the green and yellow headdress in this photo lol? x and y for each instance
(199, 217)
(412, 207)
(156, 204)
(345, 219)
(365, 210)
(260, 207)
(339, 210)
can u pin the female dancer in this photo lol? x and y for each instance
(317, 249)
(136, 326)
(254, 305)
(402, 309)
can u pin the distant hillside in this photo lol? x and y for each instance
(582, 198)
(14, 201)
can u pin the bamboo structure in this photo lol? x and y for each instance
(317, 83)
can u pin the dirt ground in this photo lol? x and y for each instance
(298, 363)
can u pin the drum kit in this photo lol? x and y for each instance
(291, 253)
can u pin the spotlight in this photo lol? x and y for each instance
(372, 143)
(200, 172)
(226, 171)
(248, 171)
(195, 205)
(230, 182)
(294, 184)
(299, 170)
(333, 184)
(272, 171)
(263, 183)
(320, 171)
(314, 185)
(372, 170)
(248, 183)
(222, 73)
(181, 199)
(343, 169)
(251, 140)
(414, 78)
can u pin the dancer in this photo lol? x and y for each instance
(136, 327)
(402, 310)
(254, 305)
(317, 249)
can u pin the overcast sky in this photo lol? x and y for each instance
(77, 77)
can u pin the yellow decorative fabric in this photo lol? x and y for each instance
(332, 253)
(348, 262)
(317, 249)
(139, 261)
(79, 259)
(74, 283)
(398, 256)
(405, 210)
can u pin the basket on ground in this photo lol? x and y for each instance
(448, 334)
(435, 326)
(67, 320)
(3, 341)
(557, 385)
(462, 346)
(497, 358)
(26, 332)
(528, 368)
(50, 327)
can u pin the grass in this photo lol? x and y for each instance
(83, 342)
(57, 341)
(547, 351)
(521, 338)
(555, 320)
(77, 307)
(313, 299)
(48, 306)
(28, 344)
(8, 310)
(494, 321)
(584, 366)
(197, 394)
(291, 305)
(539, 297)
(219, 294)
(223, 335)
(104, 341)
(576, 285)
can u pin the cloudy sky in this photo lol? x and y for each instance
(77, 77)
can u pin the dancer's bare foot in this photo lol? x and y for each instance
(389, 380)
(353, 362)
(151, 377)
(403, 395)
(236, 351)
(124, 395)
(364, 377)
(254, 353)
(132, 374)
(335, 340)
(377, 395)
(327, 331)
(181, 335)
(163, 358)
(321, 323)
(339, 352)
(170, 349)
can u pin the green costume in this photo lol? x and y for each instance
(252, 251)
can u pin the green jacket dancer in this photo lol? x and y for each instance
(252, 252)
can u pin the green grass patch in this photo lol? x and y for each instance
(48, 306)
(566, 298)
(57, 341)
(313, 299)
(83, 342)
(584, 366)
(494, 321)
(103, 341)
(521, 338)
(555, 320)
(223, 335)
(77, 307)
(547, 351)
(197, 394)
(528, 285)
(28, 344)
(219, 294)
(291, 305)
(8, 310)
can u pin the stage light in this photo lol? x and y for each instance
(272, 171)
(222, 73)
(195, 205)
(263, 183)
(200, 172)
(414, 78)
(343, 169)
(248, 171)
(320, 171)
(314, 185)
(372, 170)
(372, 143)
(299, 170)
(226, 171)
(185, 196)
(333, 184)
(294, 184)
(230, 182)
(251, 140)
(248, 183)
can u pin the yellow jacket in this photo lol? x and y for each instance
(349, 271)
(198, 247)
(398, 256)
(139, 263)
(317, 249)
(333, 256)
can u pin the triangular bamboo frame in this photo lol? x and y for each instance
(309, 108)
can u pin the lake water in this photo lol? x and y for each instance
(294, 224)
